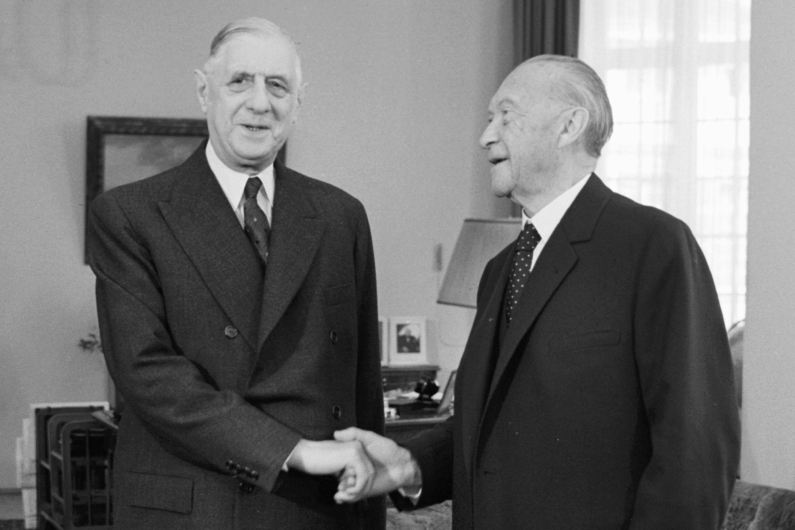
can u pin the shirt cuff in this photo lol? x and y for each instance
(412, 494)
(284, 466)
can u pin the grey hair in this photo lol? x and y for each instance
(254, 26)
(583, 87)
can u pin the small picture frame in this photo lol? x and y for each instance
(446, 404)
(407, 341)
(383, 339)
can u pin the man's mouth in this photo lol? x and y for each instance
(495, 161)
(255, 128)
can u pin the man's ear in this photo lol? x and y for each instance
(575, 120)
(202, 86)
(299, 101)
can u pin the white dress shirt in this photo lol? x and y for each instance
(550, 215)
(233, 184)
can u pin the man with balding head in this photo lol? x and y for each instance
(237, 307)
(595, 390)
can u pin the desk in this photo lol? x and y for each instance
(401, 430)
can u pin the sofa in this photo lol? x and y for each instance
(752, 507)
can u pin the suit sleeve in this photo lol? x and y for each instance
(434, 449)
(190, 416)
(686, 377)
(369, 389)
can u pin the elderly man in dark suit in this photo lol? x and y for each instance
(595, 391)
(237, 306)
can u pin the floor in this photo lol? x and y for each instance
(11, 505)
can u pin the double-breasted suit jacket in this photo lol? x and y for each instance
(224, 368)
(609, 402)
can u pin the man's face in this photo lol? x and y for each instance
(250, 95)
(522, 134)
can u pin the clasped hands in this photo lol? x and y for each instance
(365, 463)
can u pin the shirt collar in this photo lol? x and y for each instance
(233, 182)
(550, 215)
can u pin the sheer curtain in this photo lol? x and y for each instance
(676, 72)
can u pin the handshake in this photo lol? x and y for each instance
(365, 463)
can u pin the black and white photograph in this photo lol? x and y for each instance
(408, 342)
(236, 236)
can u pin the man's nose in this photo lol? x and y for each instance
(489, 135)
(259, 98)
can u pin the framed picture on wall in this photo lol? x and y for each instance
(120, 150)
(383, 339)
(407, 341)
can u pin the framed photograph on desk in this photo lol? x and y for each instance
(407, 341)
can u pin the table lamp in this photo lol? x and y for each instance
(479, 241)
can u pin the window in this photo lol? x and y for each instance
(676, 72)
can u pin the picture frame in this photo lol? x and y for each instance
(383, 339)
(407, 341)
(120, 150)
(446, 403)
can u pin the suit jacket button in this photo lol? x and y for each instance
(336, 411)
(230, 331)
(333, 337)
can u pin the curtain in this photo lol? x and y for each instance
(545, 26)
(677, 75)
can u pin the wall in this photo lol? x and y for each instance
(768, 455)
(397, 98)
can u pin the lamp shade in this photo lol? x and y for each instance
(479, 241)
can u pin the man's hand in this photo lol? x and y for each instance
(346, 459)
(394, 467)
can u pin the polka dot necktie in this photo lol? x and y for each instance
(255, 222)
(520, 268)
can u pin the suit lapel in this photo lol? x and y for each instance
(556, 261)
(201, 219)
(295, 237)
(554, 264)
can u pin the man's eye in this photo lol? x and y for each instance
(239, 83)
(277, 88)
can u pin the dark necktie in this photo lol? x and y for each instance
(255, 221)
(520, 268)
